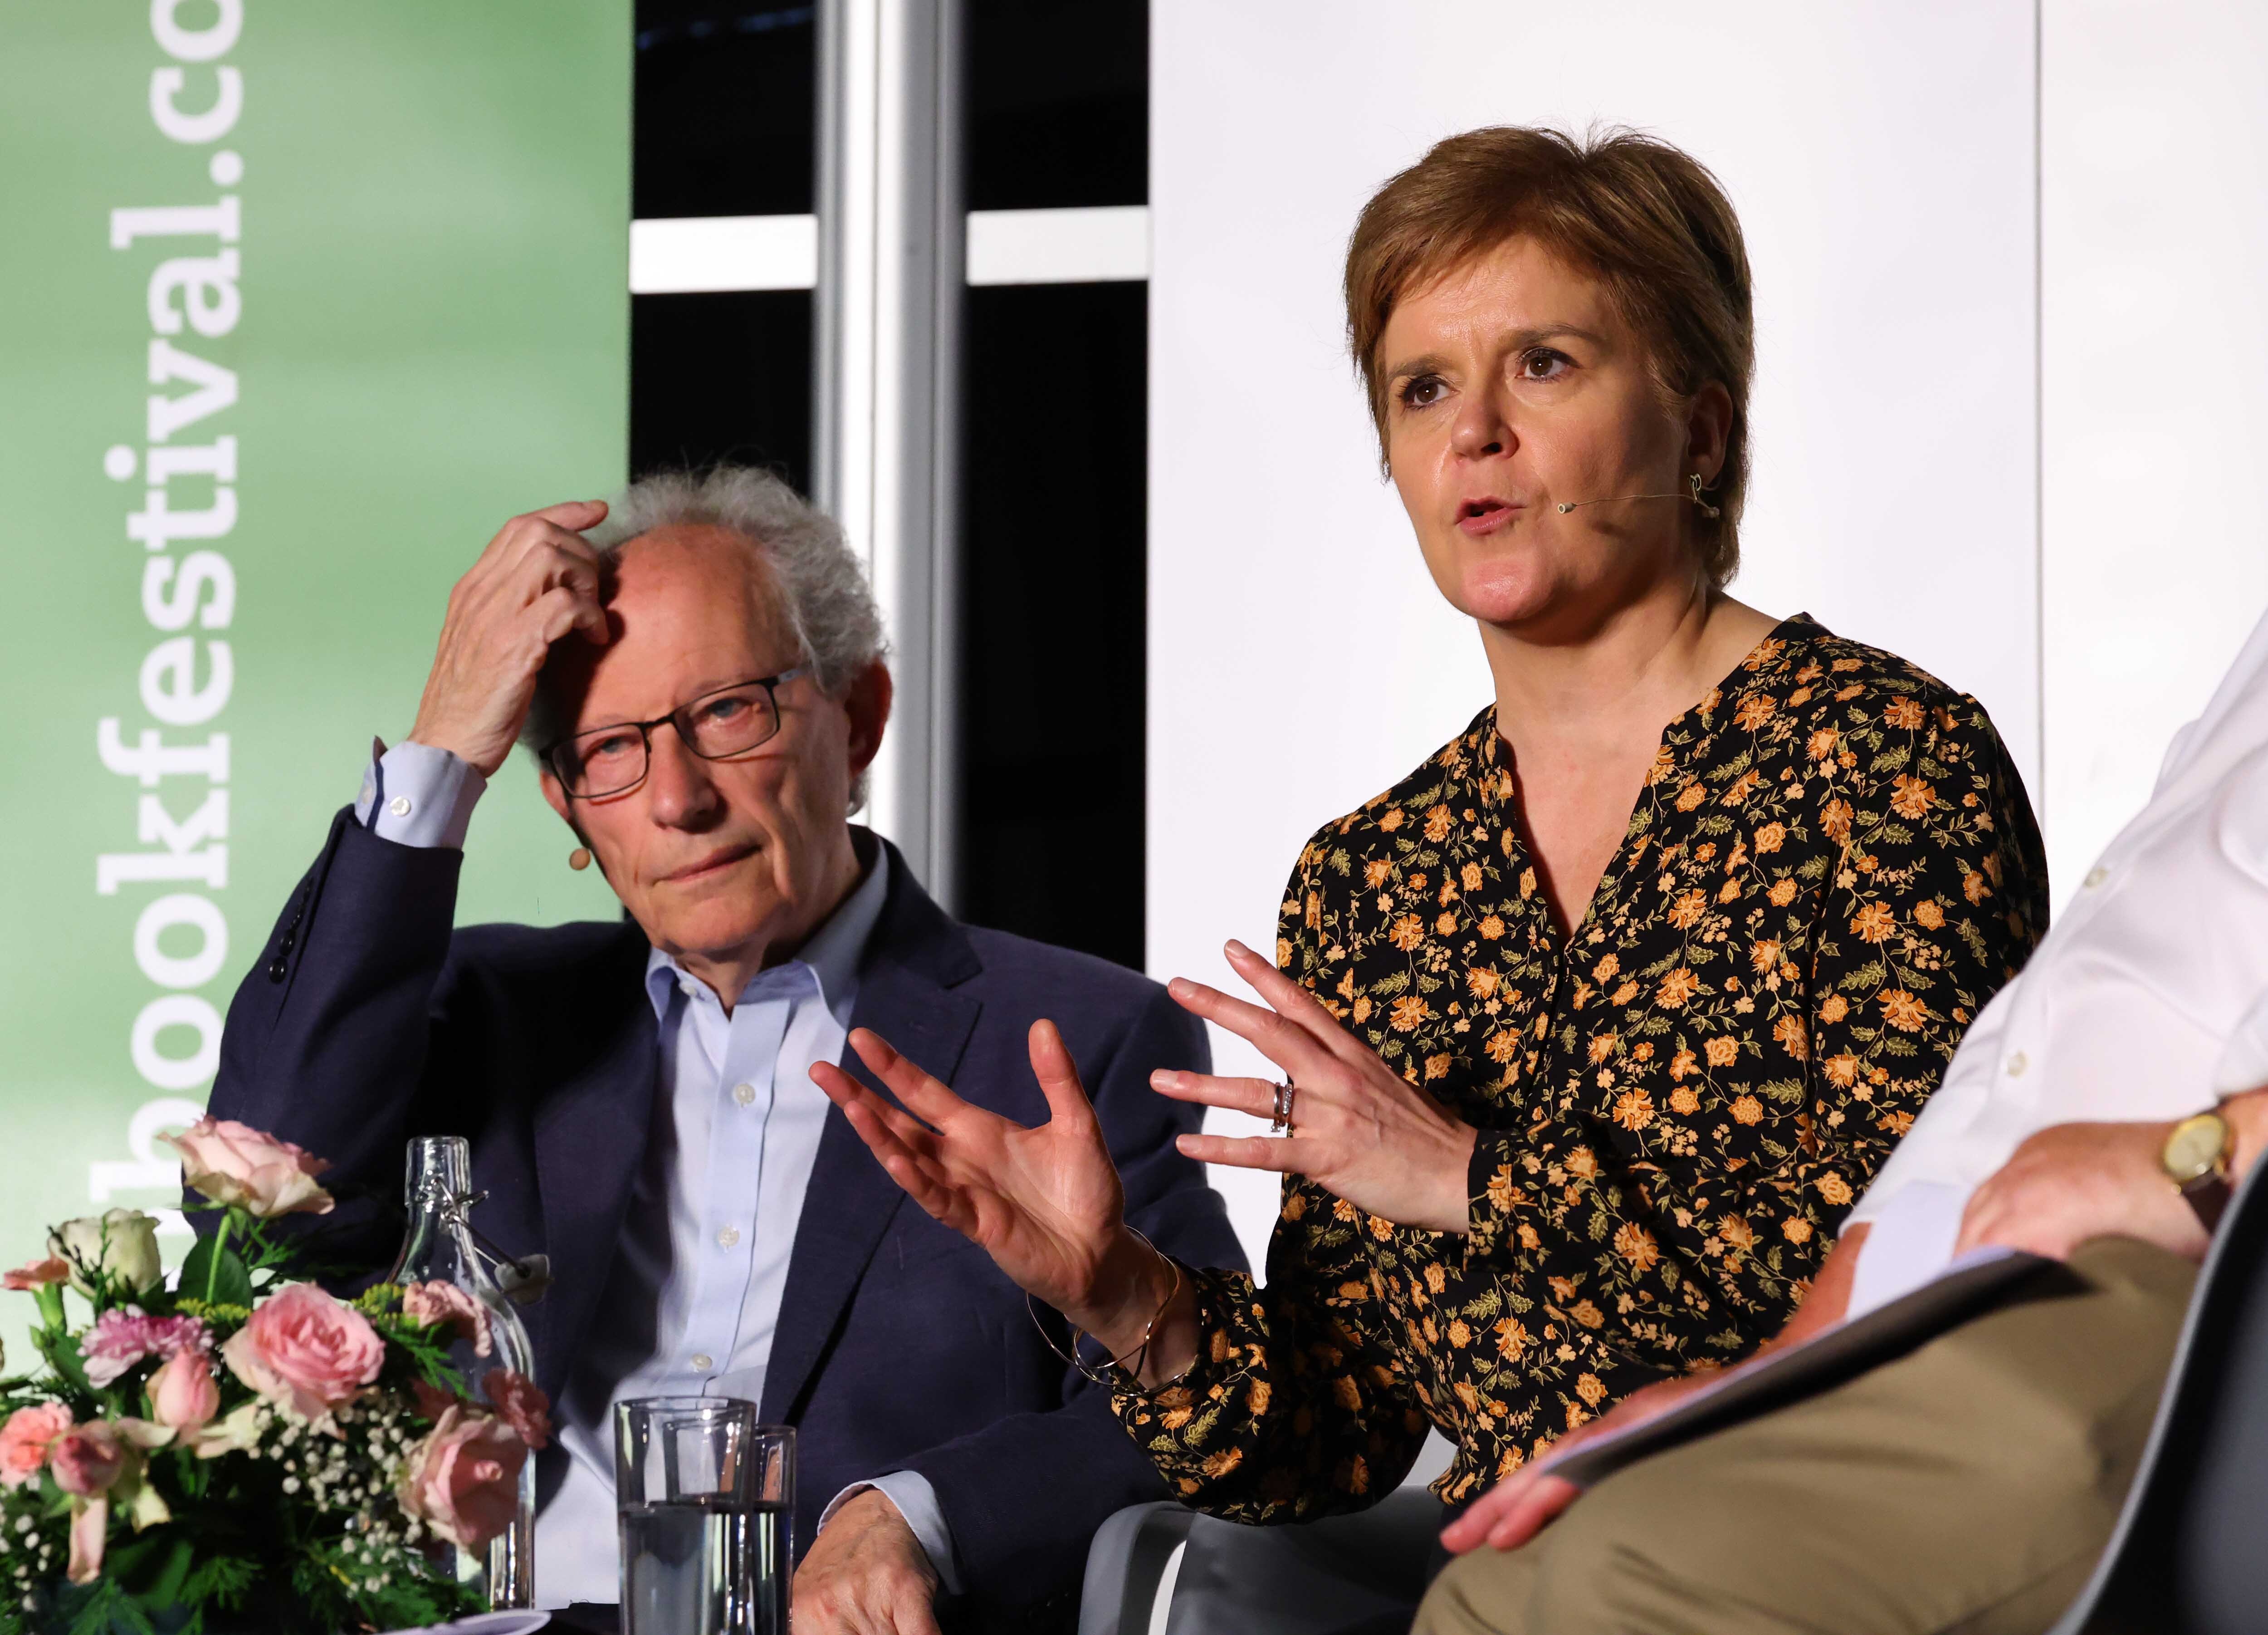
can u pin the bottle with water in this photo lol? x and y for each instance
(439, 1247)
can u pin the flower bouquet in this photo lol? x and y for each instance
(246, 1451)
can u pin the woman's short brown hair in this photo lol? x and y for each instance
(1646, 219)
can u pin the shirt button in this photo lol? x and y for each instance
(399, 806)
(728, 1237)
(686, 986)
(2095, 876)
(2017, 1065)
(745, 1094)
(703, 1361)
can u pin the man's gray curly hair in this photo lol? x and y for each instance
(819, 581)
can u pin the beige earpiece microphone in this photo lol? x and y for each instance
(1693, 482)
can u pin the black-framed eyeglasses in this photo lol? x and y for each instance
(614, 759)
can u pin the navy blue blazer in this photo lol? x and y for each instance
(368, 1018)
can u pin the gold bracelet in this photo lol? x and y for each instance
(1140, 1351)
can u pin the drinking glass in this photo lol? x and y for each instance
(706, 1498)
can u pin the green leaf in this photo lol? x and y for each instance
(230, 1283)
(163, 1590)
(62, 1354)
(221, 1580)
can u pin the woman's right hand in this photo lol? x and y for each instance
(1045, 1203)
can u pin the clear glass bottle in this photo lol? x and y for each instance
(438, 1249)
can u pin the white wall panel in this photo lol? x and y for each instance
(1882, 156)
(2154, 250)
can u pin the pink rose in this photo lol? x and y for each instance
(305, 1352)
(88, 1459)
(96, 1462)
(520, 1403)
(463, 1479)
(26, 1437)
(233, 1163)
(123, 1335)
(39, 1273)
(183, 1394)
(90, 1530)
(439, 1302)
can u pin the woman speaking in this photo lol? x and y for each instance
(1593, 1026)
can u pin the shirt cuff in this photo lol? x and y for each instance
(1908, 1243)
(416, 795)
(916, 1501)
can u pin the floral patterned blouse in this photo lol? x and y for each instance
(1831, 869)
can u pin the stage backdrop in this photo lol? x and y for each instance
(302, 303)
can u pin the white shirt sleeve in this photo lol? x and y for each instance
(2244, 1063)
(1908, 1243)
(416, 795)
(917, 1502)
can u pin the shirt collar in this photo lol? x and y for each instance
(1483, 755)
(831, 955)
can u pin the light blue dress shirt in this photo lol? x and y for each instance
(692, 1303)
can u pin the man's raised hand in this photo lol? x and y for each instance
(537, 580)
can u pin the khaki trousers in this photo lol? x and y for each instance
(1967, 1487)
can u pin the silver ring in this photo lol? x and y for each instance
(1281, 1122)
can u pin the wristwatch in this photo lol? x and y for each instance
(2196, 1158)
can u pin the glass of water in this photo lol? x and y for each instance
(706, 1498)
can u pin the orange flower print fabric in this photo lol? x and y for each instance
(1832, 868)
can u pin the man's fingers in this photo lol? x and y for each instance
(910, 1611)
(1059, 1077)
(1470, 1529)
(1536, 1511)
(1241, 1152)
(575, 514)
(1510, 1513)
(562, 609)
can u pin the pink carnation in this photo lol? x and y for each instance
(463, 1479)
(438, 1302)
(305, 1352)
(25, 1439)
(123, 1335)
(522, 1405)
(39, 1273)
(232, 1163)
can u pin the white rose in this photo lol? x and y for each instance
(121, 1242)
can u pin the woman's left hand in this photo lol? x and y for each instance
(1358, 1129)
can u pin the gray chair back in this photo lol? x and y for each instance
(1359, 1574)
(2188, 1557)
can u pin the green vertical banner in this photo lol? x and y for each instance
(302, 302)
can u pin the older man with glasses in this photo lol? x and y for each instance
(700, 671)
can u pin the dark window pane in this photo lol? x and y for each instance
(1058, 103)
(722, 377)
(724, 99)
(1053, 616)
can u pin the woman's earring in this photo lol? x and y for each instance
(579, 858)
(1693, 481)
